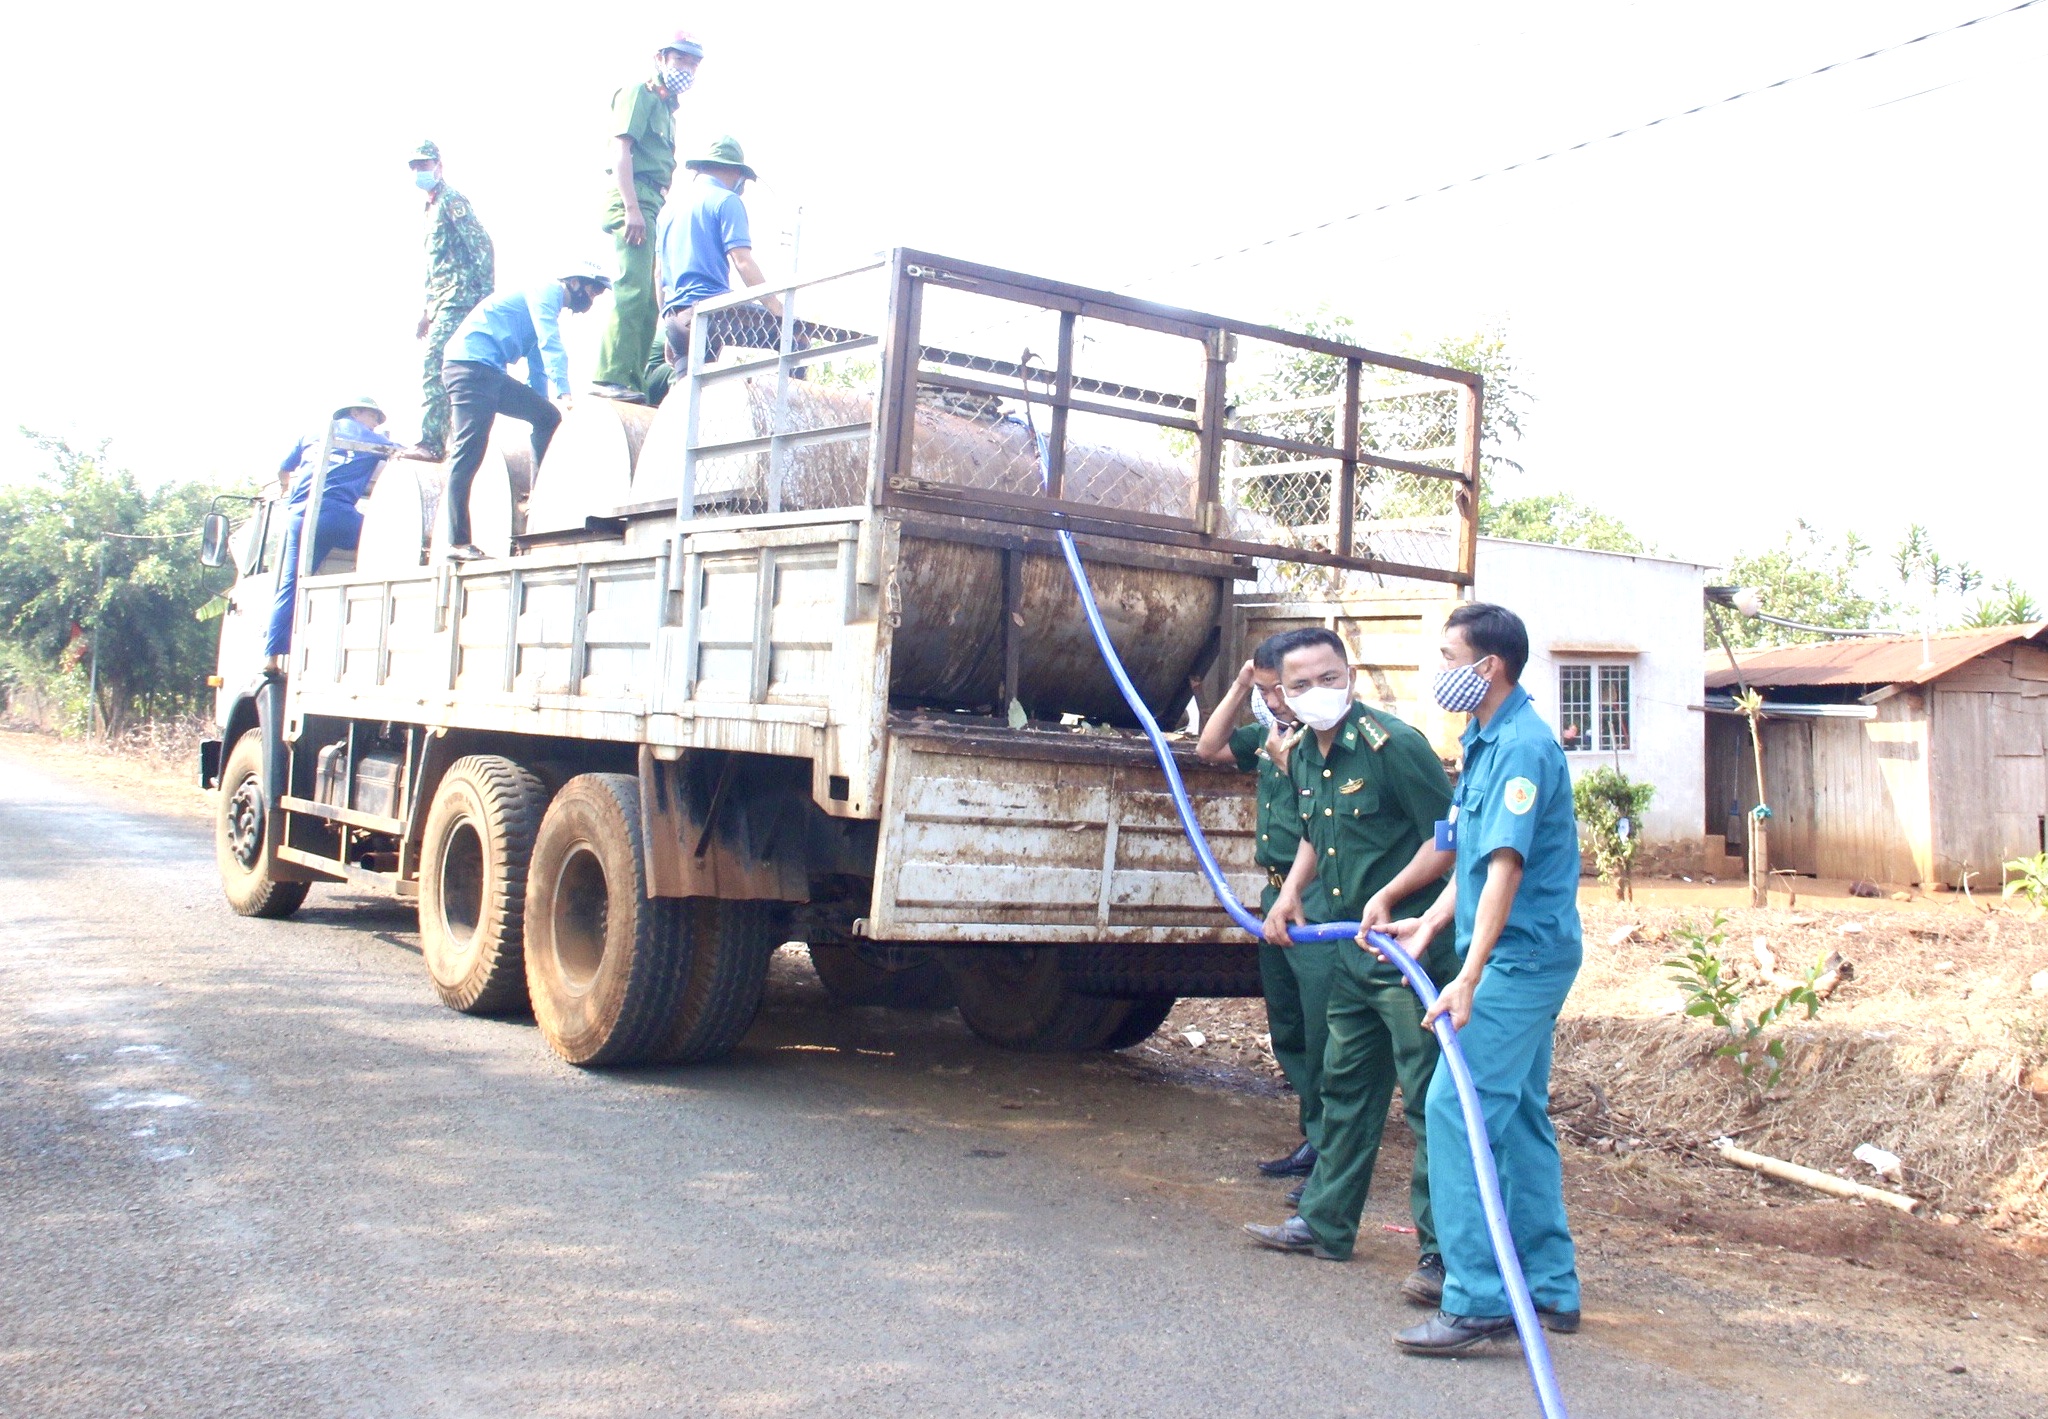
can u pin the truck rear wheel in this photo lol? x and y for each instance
(604, 962)
(245, 838)
(473, 864)
(852, 977)
(726, 946)
(1145, 1017)
(1017, 997)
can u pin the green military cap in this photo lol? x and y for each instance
(372, 405)
(725, 153)
(428, 151)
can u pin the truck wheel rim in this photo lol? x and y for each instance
(462, 884)
(245, 823)
(582, 902)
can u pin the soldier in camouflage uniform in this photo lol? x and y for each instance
(459, 274)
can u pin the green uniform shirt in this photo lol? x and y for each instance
(1279, 825)
(1366, 808)
(460, 263)
(1516, 792)
(645, 118)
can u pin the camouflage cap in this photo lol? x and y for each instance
(428, 151)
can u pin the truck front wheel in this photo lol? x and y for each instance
(1017, 997)
(604, 962)
(245, 838)
(473, 864)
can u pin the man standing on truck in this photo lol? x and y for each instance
(350, 475)
(1370, 792)
(1514, 899)
(518, 325)
(698, 245)
(1295, 979)
(459, 274)
(644, 159)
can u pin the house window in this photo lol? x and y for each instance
(1594, 708)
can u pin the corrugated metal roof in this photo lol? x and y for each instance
(1867, 660)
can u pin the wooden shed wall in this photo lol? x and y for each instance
(1990, 762)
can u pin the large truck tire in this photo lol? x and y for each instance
(245, 838)
(473, 864)
(851, 976)
(726, 946)
(1017, 997)
(1228, 968)
(1144, 1019)
(603, 960)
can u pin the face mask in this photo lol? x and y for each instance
(677, 81)
(426, 181)
(1321, 707)
(1461, 688)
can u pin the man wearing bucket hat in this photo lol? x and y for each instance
(349, 479)
(459, 274)
(517, 325)
(644, 138)
(698, 245)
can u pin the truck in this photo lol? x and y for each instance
(795, 658)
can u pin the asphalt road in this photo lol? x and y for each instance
(253, 1168)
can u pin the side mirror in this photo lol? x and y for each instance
(213, 540)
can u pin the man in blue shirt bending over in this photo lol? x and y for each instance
(513, 325)
(350, 476)
(1514, 838)
(699, 241)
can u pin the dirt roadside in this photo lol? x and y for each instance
(1828, 1307)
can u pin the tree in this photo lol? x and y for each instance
(2012, 606)
(1808, 577)
(86, 553)
(1557, 518)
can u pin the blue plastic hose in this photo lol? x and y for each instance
(1527, 1324)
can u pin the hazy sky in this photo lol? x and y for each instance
(1824, 302)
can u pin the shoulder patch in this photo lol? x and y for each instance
(1518, 796)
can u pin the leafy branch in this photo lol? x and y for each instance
(1713, 994)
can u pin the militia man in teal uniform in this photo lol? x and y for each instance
(459, 274)
(1369, 792)
(1296, 980)
(643, 162)
(1514, 900)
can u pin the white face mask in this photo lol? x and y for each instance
(1321, 706)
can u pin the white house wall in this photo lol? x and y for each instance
(1576, 601)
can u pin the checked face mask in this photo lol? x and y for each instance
(676, 81)
(1461, 688)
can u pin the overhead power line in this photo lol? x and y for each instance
(1642, 127)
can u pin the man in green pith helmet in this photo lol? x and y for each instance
(1295, 979)
(643, 161)
(459, 274)
(1370, 792)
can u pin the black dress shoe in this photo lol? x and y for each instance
(1425, 1285)
(1298, 1164)
(1446, 1334)
(1294, 1193)
(1558, 1322)
(1291, 1235)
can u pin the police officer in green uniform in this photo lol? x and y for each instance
(1514, 899)
(1370, 791)
(644, 159)
(459, 274)
(1296, 980)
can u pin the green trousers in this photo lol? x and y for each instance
(1296, 980)
(433, 394)
(1375, 1040)
(622, 354)
(1507, 1043)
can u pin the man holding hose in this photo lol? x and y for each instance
(1513, 837)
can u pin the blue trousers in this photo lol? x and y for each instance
(340, 526)
(1507, 1043)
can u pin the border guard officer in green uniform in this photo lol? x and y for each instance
(459, 274)
(1370, 792)
(1515, 901)
(1295, 979)
(644, 135)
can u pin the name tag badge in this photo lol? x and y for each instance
(1447, 832)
